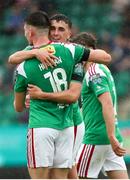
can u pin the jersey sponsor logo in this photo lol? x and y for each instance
(49, 48)
(96, 78)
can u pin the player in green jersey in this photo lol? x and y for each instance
(50, 124)
(102, 141)
(60, 31)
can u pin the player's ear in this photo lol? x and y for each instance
(32, 31)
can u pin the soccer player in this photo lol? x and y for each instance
(50, 124)
(60, 31)
(102, 144)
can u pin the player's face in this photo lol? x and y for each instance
(59, 31)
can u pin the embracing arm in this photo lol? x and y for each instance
(19, 101)
(99, 56)
(45, 56)
(109, 117)
(68, 96)
(21, 56)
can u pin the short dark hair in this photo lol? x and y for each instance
(38, 19)
(85, 39)
(61, 17)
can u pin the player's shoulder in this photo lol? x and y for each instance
(21, 65)
(67, 47)
(20, 68)
(95, 71)
(96, 68)
(66, 44)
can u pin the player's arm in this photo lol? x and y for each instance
(95, 55)
(19, 101)
(45, 56)
(68, 96)
(83, 54)
(99, 56)
(20, 88)
(109, 117)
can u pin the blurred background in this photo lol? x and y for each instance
(109, 20)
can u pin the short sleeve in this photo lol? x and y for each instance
(78, 72)
(99, 84)
(20, 83)
(81, 54)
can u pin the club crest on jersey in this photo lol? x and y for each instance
(49, 48)
(78, 69)
(96, 78)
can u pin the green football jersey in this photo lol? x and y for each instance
(78, 71)
(44, 113)
(77, 115)
(98, 80)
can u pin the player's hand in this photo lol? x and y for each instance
(116, 146)
(34, 91)
(46, 57)
(27, 101)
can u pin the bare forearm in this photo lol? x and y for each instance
(60, 97)
(99, 56)
(19, 99)
(21, 56)
(108, 114)
(68, 96)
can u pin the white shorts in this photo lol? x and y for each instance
(78, 138)
(94, 158)
(47, 147)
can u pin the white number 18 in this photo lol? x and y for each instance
(55, 81)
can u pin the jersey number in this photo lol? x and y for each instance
(55, 81)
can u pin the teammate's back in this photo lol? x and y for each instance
(50, 80)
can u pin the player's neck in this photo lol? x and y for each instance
(40, 41)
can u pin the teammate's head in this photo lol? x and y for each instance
(60, 29)
(86, 39)
(36, 23)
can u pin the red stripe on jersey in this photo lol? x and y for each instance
(94, 68)
(33, 152)
(90, 157)
(90, 71)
